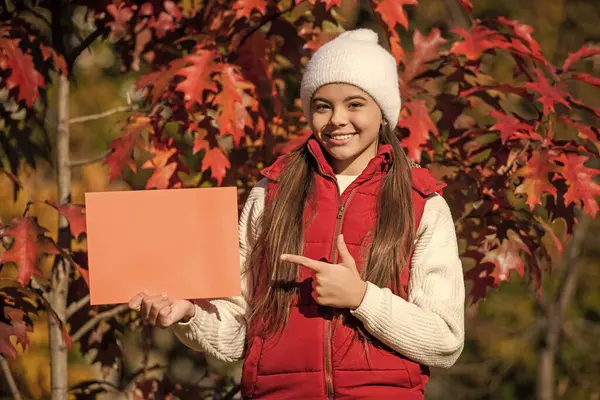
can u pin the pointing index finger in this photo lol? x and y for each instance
(305, 261)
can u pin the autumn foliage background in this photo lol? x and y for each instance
(499, 100)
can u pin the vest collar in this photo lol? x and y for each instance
(422, 179)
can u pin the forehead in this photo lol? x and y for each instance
(339, 91)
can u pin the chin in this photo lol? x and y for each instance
(341, 154)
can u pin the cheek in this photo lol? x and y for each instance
(366, 124)
(319, 122)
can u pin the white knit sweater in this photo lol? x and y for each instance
(428, 328)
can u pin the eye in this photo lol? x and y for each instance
(321, 107)
(355, 104)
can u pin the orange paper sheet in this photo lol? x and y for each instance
(182, 242)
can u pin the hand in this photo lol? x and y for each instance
(335, 285)
(160, 310)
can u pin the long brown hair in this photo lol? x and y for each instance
(272, 282)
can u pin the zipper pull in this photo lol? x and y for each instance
(340, 212)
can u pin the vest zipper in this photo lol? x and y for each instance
(328, 366)
(339, 217)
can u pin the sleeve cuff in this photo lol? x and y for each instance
(191, 319)
(370, 302)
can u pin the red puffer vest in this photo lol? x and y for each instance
(315, 358)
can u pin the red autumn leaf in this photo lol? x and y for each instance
(123, 147)
(536, 183)
(582, 188)
(75, 214)
(121, 15)
(163, 24)
(163, 169)
(23, 74)
(234, 102)
(200, 143)
(396, 47)
(419, 124)
(59, 61)
(244, 8)
(549, 95)
(328, 3)
(506, 257)
(315, 37)
(198, 76)
(218, 163)
(392, 12)
(508, 125)
(255, 59)
(28, 245)
(159, 80)
(166, 19)
(587, 78)
(476, 41)
(524, 32)
(17, 328)
(583, 52)
(426, 49)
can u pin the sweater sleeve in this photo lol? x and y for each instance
(429, 327)
(219, 325)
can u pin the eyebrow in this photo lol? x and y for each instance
(356, 96)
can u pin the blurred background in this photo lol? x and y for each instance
(504, 331)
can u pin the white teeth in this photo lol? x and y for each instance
(342, 137)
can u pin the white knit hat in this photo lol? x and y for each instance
(355, 58)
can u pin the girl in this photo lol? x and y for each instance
(352, 284)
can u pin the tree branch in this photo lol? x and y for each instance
(76, 306)
(94, 117)
(99, 317)
(37, 285)
(9, 378)
(101, 157)
(85, 44)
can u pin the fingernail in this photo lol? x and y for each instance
(164, 295)
(283, 257)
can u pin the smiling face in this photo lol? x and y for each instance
(346, 121)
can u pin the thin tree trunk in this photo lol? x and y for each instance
(61, 269)
(556, 310)
(14, 389)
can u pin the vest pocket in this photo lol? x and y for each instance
(250, 367)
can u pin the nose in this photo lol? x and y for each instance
(339, 117)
